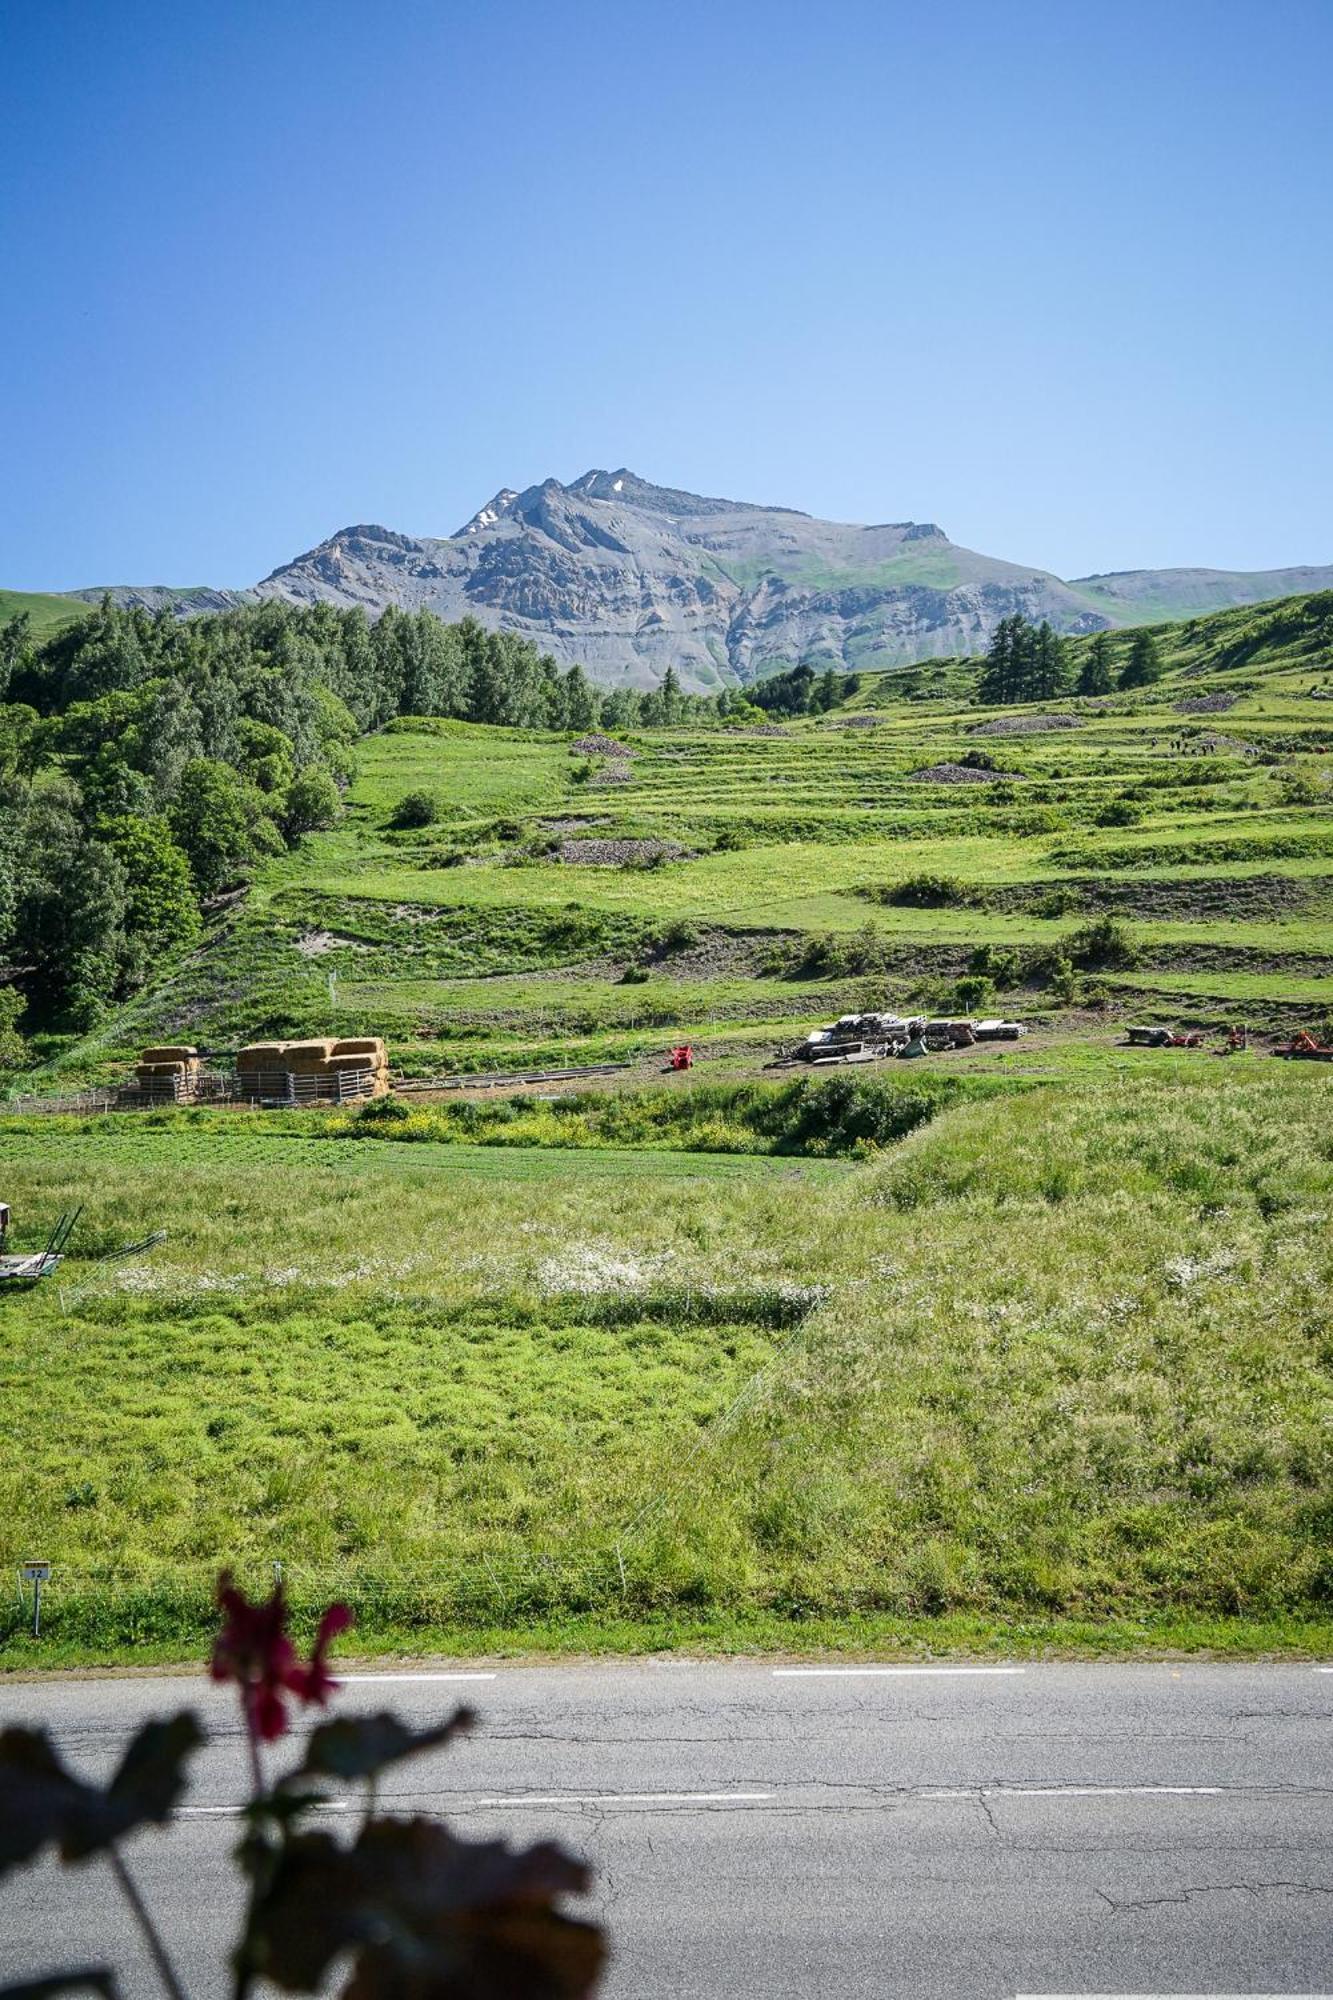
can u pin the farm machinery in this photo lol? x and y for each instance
(1304, 1048)
(866, 1038)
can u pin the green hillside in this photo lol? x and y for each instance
(500, 935)
(48, 613)
(1018, 1346)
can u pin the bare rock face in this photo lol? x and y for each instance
(629, 578)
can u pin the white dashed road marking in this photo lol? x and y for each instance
(792, 1673)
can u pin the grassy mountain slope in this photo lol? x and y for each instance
(47, 611)
(714, 1357)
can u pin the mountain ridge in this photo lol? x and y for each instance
(629, 577)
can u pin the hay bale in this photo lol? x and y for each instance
(148, 1069)
(348, 1065)
(368, 1045)
(317, 1045)
(262, 1055)
(181, 1054)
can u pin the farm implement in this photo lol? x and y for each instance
(1304, 1048)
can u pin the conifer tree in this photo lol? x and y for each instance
(1144, 665)
(1048, 672)
(1095, 673)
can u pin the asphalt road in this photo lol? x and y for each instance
(799, 1832)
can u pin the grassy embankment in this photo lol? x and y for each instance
(596, 1398)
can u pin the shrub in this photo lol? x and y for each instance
(994, 964)
(383, 1111)
(416, 809)
(1118, 812)
(313, 802)
(972, 991)
(634, 975)
(1104, 943)
(927, 892)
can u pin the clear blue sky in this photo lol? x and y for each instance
(1057, 276)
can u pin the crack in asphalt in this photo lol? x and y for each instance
(1186, 1895)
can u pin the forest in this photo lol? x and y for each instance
(148, 763)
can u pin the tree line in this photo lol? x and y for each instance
(148, 763)
(1027, 662)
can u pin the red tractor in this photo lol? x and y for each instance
(682, 1057)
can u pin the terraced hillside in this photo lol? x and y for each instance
(734, 886)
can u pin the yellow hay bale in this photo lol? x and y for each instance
(147, 1069)
(182, 1054)
(367, 1045)
(349, 1064)
(319, 1045)
(262, 1055)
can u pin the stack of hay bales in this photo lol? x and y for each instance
(261, 1070)
(170, 1074)
(320, 1071)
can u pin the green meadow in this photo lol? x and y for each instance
(1021, 1347)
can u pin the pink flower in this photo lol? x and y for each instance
(253, 1650)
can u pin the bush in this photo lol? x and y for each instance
(927, 892)
(1119, 812)
(972, 991)
(1103, 944)
(673, 937)
(998, 966)
(634, 975)
(383, 1111)
(416, 809)
(313, 801)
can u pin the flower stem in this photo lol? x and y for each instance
(256, 1768)
(166, 1971)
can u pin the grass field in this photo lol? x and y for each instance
(472, 1386)
(1025, 1347)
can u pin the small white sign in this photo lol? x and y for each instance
(35, 1572)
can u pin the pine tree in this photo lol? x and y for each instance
(1011, 662)
(996, 682)
(1048, 674)
(671, 698)
(1095, 673)
(1144, 665)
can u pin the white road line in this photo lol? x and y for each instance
(792, 1673)
(529, 1799)
(628, 1799)
(359, 1679)
(1077, 1792)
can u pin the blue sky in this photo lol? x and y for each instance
(1053, 275)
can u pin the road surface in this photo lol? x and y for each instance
(796, 1833)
